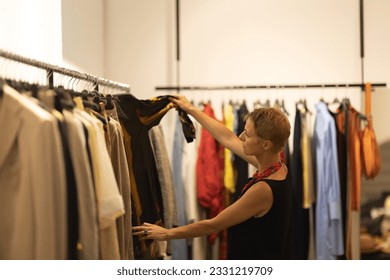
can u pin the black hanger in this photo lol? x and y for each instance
(362, 117)
(336, 101)
(63, 100)
(34, 90)
(92, 105)
(109, 105)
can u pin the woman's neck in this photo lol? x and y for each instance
(267, 160)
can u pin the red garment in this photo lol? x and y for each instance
(208, 180)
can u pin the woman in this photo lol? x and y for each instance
(259, 221)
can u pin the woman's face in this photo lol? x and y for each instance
(252, 143)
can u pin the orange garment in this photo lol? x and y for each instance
(353, 182)
(355, 163)
(371, 157)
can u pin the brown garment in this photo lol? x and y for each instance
(348, 122)
(119, 163)
(354, 156)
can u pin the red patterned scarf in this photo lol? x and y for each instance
(264, 174)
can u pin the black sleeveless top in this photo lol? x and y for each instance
(267, 237)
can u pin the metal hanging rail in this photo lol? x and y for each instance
(64, 71)
(362, 86)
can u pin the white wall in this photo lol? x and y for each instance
(31, 29)
(377, 68)
(139, 42)
(277, 42)
(68, 33)
(228, 42)
(377, 41)
(83, 36)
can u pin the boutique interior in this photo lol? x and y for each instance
(107, 61)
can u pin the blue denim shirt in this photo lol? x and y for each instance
(329, 238)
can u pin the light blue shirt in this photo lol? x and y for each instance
(329, 238)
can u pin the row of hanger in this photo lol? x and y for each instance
(301, 104)
(63, 98)
(256, 104)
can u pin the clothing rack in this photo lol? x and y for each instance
(362, 86)
(50, 69)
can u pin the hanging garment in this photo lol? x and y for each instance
(229, 179)
(46, 100)
(137, 117)
(166, 182)
(240, 164)
(308, 183)
(308, 188)
(329, 240)
(88, 230)
(119, 163)
(296, 175)
(32, 181)
(209, 185)
(193, 210)
(371, 157)
(341, 119)
(179, 246)
(109, 201)
(354, 157)
(355, 179)
(300, 226)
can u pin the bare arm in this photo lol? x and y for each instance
(221, 133)
(257, 200)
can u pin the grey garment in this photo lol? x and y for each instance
(165, 178)
(119, 163)
(87, 210)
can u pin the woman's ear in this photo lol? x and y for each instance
(268, 145)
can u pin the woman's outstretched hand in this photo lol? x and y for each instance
(180, 101)
(150, 231)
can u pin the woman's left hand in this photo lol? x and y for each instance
(150, 231)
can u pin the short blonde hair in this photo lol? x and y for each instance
(271, 124)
